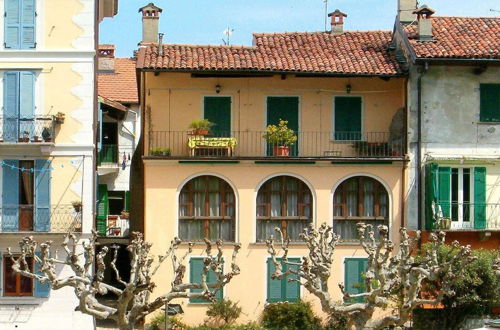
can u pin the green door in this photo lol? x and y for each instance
(217, 109)
(284, 108)
(347, 118)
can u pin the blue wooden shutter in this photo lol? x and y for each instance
(12, 24)
(11, 106)
(28, 17)
(480, 197)
(430, 193)
(42, 195)
(27, 103)
(10, 196)
(444, 188)
(292, 289)
(353, 276)
(42, 290)
(274, 290)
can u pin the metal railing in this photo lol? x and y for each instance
(252, 144)
(26, 130)
(467, 216)
(117, 226)
(30, 218)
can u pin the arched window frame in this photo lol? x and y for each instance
(304, 207)
(226, 208)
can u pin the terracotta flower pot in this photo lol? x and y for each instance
(281, 151)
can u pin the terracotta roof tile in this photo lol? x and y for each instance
(459, 37)
(353, 52)
(120, 85)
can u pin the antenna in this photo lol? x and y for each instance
(227, 33)
(326, 12)
(495, 11)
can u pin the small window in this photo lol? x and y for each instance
(354, 279)
(195, 271)
(283, 289)
(16, 285)
(359, 199)
(489, 103)
(207, 209)
(284, 202)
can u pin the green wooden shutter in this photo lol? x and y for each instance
(489, 103)
(12, 24)
(444, 188)
(42, 195)
(42, 290)
(430, 193)
(354, 270)
(480, 197)
(282, 290)
(11, 106)
(195, 271)
(274, 290)
(347, 118)
(218, 111)
(127, 201)
(284, 108)
(102, 209)
(27, 103)
(292, 289)
(10, 196)
(28, 17)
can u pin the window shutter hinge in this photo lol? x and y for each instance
(36, 14)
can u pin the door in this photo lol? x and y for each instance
(26, 195)
(461, 198)
(284, 108)
(217, 109)
(347, 120)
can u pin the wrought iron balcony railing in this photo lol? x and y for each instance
(27, 130)
(310, 144)
(30, 218)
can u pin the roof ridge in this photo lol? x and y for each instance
(205, 46)
(319, 32)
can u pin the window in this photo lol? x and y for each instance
(347, 118)
(27, 205)
(109, 146)
(354, 276)
(195, 271)
(459, 193)
(284, 202)
(18, 117)
(207, 209)
(489, 103)
(359, 199)
(283, 289)
(20, 20)
(15, 284)
(118, 202)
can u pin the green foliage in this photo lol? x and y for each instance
(247, 326)
(223, 312)
(201, 124)
(336, 321)
(158, 323)
(280, 135)
(160, 152)
(290, 316)
(476, 289)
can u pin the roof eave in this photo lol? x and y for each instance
(457, 61)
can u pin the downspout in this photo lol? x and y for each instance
(421, 70)
(96, 115)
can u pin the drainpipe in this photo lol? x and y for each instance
(421, 71)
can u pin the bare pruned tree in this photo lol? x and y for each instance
(133, 299)
(393, 278)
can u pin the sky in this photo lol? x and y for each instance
(203, 21)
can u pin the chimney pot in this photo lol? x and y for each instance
(150, 19)
(106, 58)
(424, 14)
(337, 21)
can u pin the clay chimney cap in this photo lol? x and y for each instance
(424, 11)
(337, 13)
(150, 6)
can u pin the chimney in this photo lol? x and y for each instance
(337, 21)
(424, 14)
(405, 11)
(150, 19)
(106, 58)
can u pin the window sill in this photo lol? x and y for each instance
(300, 244)
(200, 243)
(488, 122)
(21, 300)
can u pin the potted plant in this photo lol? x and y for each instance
(124, 215)
(36, 138)
(77, 205)
(46, 134)
(25, 137)
(160, 152)
(59, 118)
(280, 138)
(200, 127)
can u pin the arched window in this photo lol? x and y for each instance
(207, 209)
(359, 199)
(284, 202)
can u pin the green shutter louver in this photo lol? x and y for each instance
(444, 188)
(348, 119)
(102, 209)
(127, 201)
(480, 198)
(218, 111)
(195, 271)
(489, 103)
(354, 270)
(282, 290)
(284, 108)
(430, 193)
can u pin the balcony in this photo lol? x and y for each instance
(28, 218)
(108, 154)
(23, 131)
(252, 145)
(117, 226)
(467, 216)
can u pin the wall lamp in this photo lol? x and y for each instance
(348, 88)
(217, 88)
